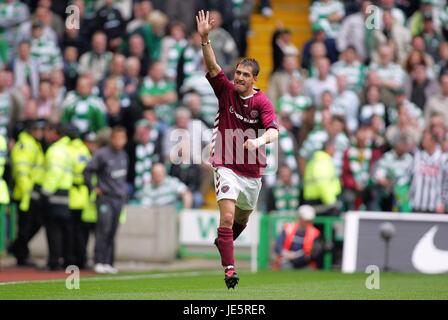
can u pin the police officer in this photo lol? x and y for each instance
(110, 165)
(79, 193)
(27, 160)
(55, 192)
(4, 192)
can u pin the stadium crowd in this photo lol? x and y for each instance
(362, 107)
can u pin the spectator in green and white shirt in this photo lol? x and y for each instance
(329, 13)
(172, 47)
(83, 109)
(294, 103)
(164, 190)
(25, 68)
(159, 93)
(97, 60)
(12, 14)
(46, 53)
(350, 66)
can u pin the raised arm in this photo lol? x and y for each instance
(205, 25)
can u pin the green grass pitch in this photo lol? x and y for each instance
(209, 285)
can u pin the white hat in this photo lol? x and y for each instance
(307, 212)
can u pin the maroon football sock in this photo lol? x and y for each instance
(237, 229)
(225, 245)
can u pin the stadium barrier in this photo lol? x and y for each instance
(395, 242)
(8, 222)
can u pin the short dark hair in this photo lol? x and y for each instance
(249, 62)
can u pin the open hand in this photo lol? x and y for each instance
(205, 25)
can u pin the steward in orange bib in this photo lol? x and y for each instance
(298, 245)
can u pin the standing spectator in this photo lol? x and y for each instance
(109, 164)
(12, 14)
(25, 68)
(172, 47)
(324, 81)
(359, 163)
(353, 32)
(159, 93)
(242, 10)
(46, 52)
(96, 61)
(329, 13)
(420, 88)
(282, 46)
(5, 105)
(439, 102)
(190, 60)
(280, 79)
(426, 186)
(209, 103)
(393, 34)
(224, 45)
(350, 66)
(284, 195)
(164, 190)
(392, 175)
(83, 109)
(110, 21)
(148, 151)
(321, 185)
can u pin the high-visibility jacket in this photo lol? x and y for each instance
(58, 167)
(27, 159)
(4, 192)
(320, 180)
(311, 234)
(79, 193)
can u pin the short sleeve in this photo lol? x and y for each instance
(267, 115)
(220, 83)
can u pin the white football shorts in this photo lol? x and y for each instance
(244, 190)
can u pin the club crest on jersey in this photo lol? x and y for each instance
(224, 189)
(254, 114)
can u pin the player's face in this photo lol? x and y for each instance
(244, 79)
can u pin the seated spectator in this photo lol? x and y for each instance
(359, 163)
(329, 13)
(83, 109)
(416, 21)
(191, 175)
(426, 191)
(98, 59)
(136, 49)
(12, 14)
(71, 67)
(280, 79)
(397, 14)
(374, 107)
(432, 36)
(41, 16)
(319, 37)
(284, 195)
(351, 67)
(152, 33)
(406, 125)
(58, 88)
(132, 67)
(141, 10)
(317, 51)
(46, 107)
(418, 44)
(442, 64)
(298, 245)
(321, 186)
(282, 46)
(164, 190)
(190, 60)
(159, 93)
(392, 175)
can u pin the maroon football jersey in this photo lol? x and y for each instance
(237, 120)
